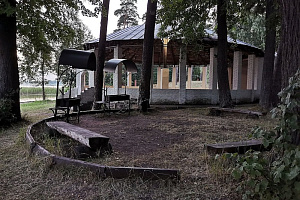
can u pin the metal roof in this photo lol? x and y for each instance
(137, 33)
(78, 59)
(111, 65)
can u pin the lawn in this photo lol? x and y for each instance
(202, 176)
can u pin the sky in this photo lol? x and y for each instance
(94, 23)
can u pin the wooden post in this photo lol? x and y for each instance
(182, 75)
(165, 78)
(204, 77)
(174, 77)
(237, 71)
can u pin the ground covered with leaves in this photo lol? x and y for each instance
(163, 138)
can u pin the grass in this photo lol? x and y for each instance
(37, 90)
(37, 110)
(30, 177)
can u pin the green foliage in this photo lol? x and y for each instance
(184, 19)
(37, 105)
(6, 8)
(276, 174)
(37, 90)
(128, 15)
(189, 19)
(44, 29)
(251, 30)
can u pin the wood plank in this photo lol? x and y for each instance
(120, 172)
(84, 136)
(235, 147)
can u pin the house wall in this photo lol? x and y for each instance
(202, 96)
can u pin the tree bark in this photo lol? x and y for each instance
(101, 52)
(223, 82)
(274, 99)
(268, 67)
(43, 78)
(290, 39)
(145, 87)
(9, 74)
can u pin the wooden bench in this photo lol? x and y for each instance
(89, 138)
(63, 106)
(216, 111)
(235, 147)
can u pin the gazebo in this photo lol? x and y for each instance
(181, 74)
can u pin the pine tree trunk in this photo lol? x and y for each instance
(43, 78)
(290, 39)
(9, 74)
(276, 79)
(145, 87)
(268, 67)
(223, 82)
(101, 53)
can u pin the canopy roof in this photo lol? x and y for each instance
(131, 41)
(78, 59)
(111, 65)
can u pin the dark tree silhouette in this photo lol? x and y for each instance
(9, 76)
(268, 67)
(101, 52)
(223, 82)
(128, 15)
(145, 87)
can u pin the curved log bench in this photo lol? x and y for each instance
(89, 138)
(100, 170)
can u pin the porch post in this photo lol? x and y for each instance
(117, 76)
(189, 80)
(174, 77)
(165, 78)
(129, 79)
(259, 62)
(204, 75)
(158, 77)
(213, 75)
(237, 71)
(78, 81)
(250, 72)
(182, 75)
(91, 79)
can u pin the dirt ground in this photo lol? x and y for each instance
(137, 134)
(157, 138)
(171, 138)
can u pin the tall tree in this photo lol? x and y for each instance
(290, 39)
(144, 92)
(9, 77)
(290, 56)
(188, 19)
(101, 53)
(223, 82)
(268, 67)
(25, 27)
(127, 14)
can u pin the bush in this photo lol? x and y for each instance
(275, 174)
(6, 116)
